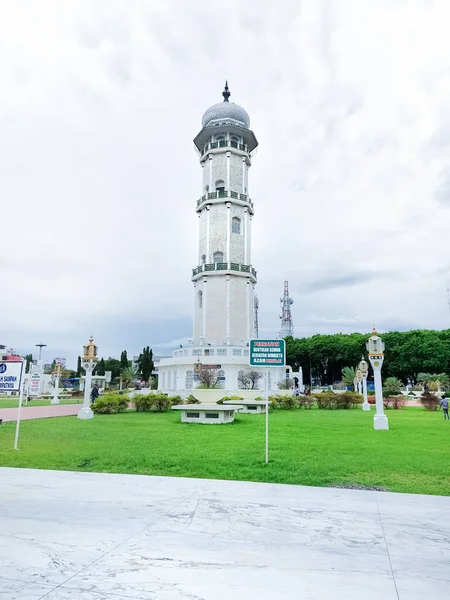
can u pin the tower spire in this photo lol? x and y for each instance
(226, 93)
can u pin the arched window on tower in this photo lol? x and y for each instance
(218, 257)
(220, 185)
(200, 299)
(235, 225)
(234, 141)
(206, 188)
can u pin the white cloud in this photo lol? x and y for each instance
(100, 102)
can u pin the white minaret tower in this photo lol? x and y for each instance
(224, 277)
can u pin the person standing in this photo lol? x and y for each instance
(94, 394)
(444, 404)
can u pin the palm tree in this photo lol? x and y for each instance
(392, 386)
(349, 375)
(128, 374)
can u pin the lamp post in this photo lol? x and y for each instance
(359, 380)
(375, 348)
(57, 373)
(364, 368)
(89, 361)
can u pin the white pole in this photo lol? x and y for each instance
(16, 439)
(266, 386)
(366, 405)
(85, 412)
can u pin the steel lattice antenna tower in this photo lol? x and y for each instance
(287, 325)
(256, 306)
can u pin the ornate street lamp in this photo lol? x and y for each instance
(364, 368)
(57, 374)
(358, 380)
(375, 348)
(89, 361)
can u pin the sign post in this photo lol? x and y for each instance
(11, 373)
(267, 353)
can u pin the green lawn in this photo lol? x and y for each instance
(314, 447)
(14, 402)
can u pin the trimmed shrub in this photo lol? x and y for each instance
(430, 401)
(143, 403)
(161, 402)
(259, 399)
(275, 402)
(395, 402)
(330, 401)
(305, 401)
(289, 402)
(371, 399)
(230, 399)
(174, 400)
(192, 400)
(110, 404)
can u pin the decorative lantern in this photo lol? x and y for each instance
(363, 367)
(90, 351)
(375, 346)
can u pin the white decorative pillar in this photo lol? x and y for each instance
(246, 236)
(228, 171)
(55, 399)
(210, 173)
(249, 235)
(243, 176)
(228, 233)
(205, 303)
(89, 362)
(208, 258)
(248, 310)
(375, 347)
(366, 405)
(228, 316)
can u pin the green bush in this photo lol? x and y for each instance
(161, 402)
(143, 403)
(174, 400)
(305, 401)
(331, 401)
(192, 400)
(110, 404)
(230, 399)
(259, 399)
(289, 402)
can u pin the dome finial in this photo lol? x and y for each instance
(226, 93)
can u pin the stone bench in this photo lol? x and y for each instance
(248, 406)
(210, 414)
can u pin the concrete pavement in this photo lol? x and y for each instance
(89, 536)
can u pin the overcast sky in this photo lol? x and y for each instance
(99, 103)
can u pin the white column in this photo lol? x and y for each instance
(195, 310)
(248, 246)
(380, 420)
(208, 258)
(228, 231)
(228, 310)
(248, 310)
(243, 176)
(366, 405)
(245, 236)
(228, 170)
(205, 299)
(55, 399)
(210, 174)
(85, 412)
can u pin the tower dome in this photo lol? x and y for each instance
(226, 111)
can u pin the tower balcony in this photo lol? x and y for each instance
(224, 144)
(219, 268)
(211, 197)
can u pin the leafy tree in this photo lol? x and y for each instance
(145, 363)
(124, 361)
(29, 360)
(101, 369)
(80, 370)
(113, 365)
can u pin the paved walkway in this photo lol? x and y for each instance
(89, 536)
(39, 412)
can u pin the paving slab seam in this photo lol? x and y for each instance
(387, 551)
(118, 546)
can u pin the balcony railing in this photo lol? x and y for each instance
(225, 144)
(222, 266)
(224, 194)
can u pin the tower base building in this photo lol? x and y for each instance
(223, 278)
